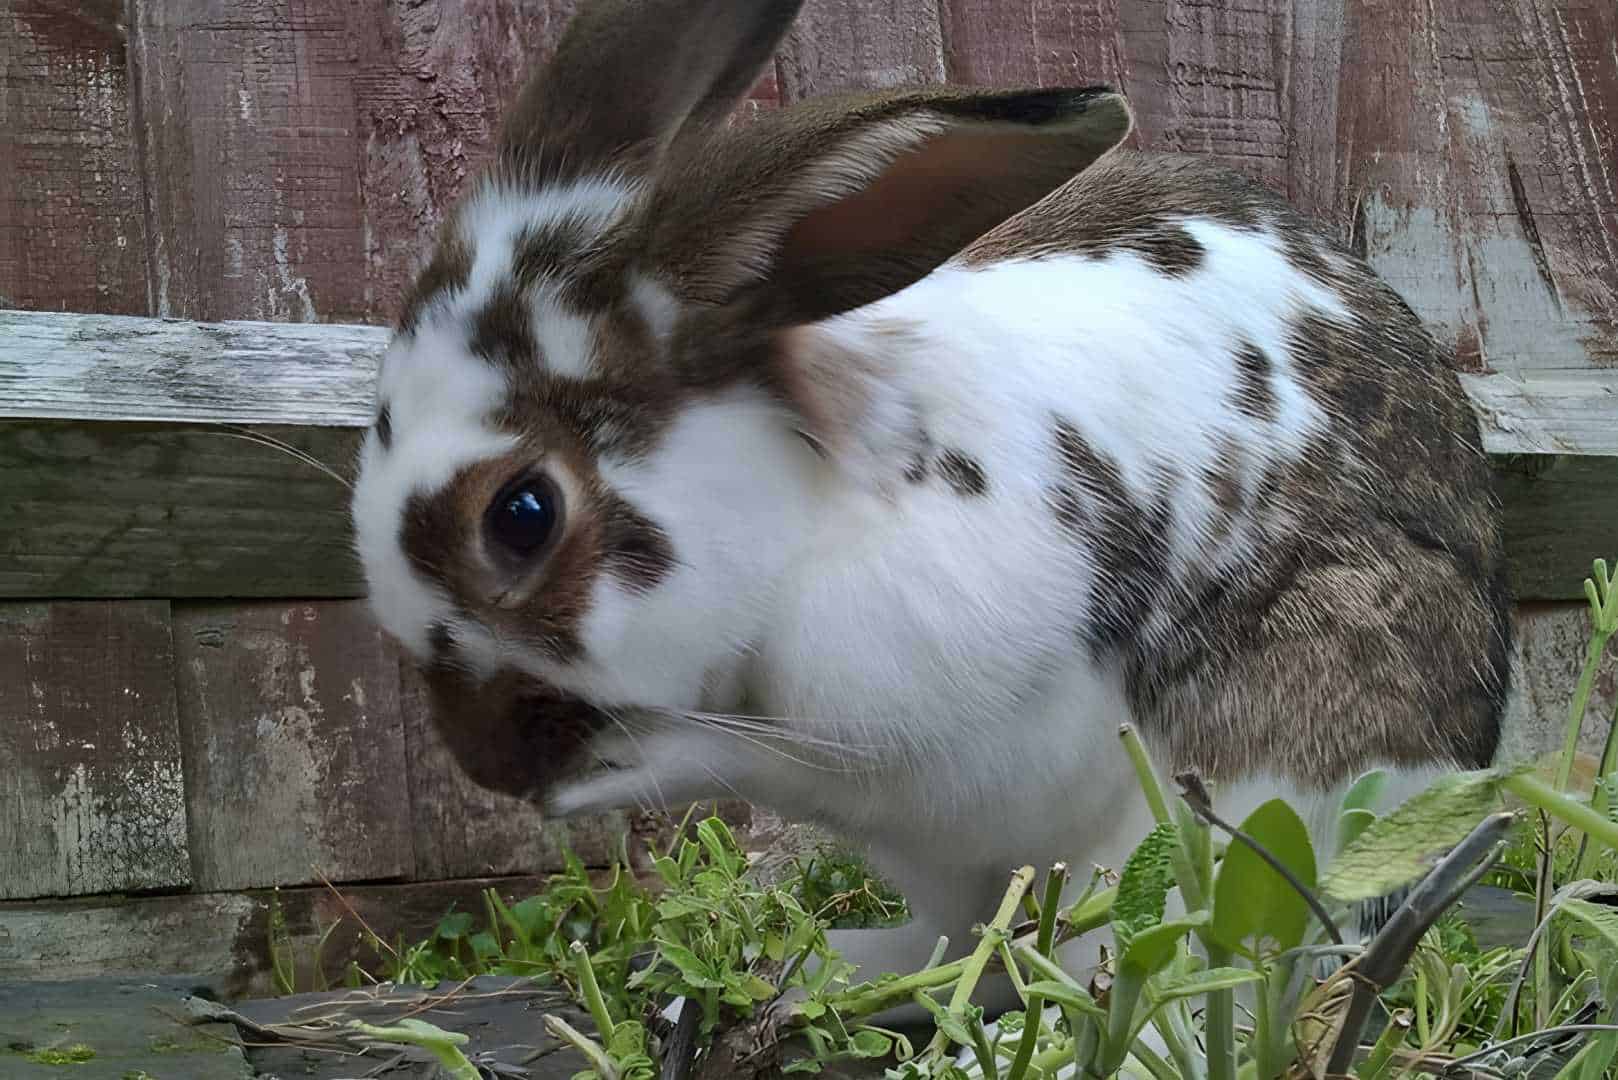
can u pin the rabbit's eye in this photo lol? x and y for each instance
(524, 516)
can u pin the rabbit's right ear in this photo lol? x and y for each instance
(629, 74)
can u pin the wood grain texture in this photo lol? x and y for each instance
(206, 935)
(140, 510)
(1481, 150)
(91, 796)
(1552, 642)
(1561, 512)
(72, 235)
(1572, 412)
(294, 746)
(838, 46)
(462, 830)
(223, 938)
(105, 367)
(1252, 85)
(299, 161)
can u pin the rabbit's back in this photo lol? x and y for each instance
(1284, 527)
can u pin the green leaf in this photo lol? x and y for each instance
(1144, 886)
(866, 1043)
(750, 986)
(696, 973)
(721, 844)
(1399, 848)
(1365, 791)
(1252, 900)
(1598, 917)
(1152, 948)
(1164, 988)
(1350, 825)
(454, 925)
(1062, 994)
(801, 1065)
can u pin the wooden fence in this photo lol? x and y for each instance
(210, 208)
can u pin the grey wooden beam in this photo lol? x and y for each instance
(127, 470)
(117, 368)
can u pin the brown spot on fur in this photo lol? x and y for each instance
(1223, 479)
(1127, 541)
(1130, 202)
(1255, 394)
(636, 552)
(446, 272)
(551, 251)
(963, 475)
(503, 331)
(1375, 601)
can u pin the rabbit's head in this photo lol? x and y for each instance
(614, 389)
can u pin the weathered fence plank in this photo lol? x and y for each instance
(71, 230)
(101, 508)
(297, 167)
(1554, 413)
(101, 367)
(1561, 512)
(224, 937)
(139, 510)
(842, 45)
(1480, 144)
(295, 761)
(91, 795)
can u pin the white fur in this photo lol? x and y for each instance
(438, 396)
(918, 648)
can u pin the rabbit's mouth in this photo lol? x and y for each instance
(513, 734)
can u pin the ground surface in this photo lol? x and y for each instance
(138, 1028)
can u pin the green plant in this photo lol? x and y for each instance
(1255, 910)
(75, 1054)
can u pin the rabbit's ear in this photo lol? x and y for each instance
(629, 74)
(825, 208)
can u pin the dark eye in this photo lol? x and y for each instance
(524, 516)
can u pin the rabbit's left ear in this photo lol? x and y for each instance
(824, 208)
(628, 75)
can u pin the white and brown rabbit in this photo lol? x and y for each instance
(875, 460)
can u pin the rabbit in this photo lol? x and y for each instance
(876, 459)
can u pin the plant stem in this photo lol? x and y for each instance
(591, 990)
(975, 963)
(1150, 785)
(1183, 854)
(983, 1051)
(1128, 982)
(854, 1003)
(1091, 912)
(1221, 1023)
(1536, 792)
(1034, 1007)
(1581, 699)
(593, 1053)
